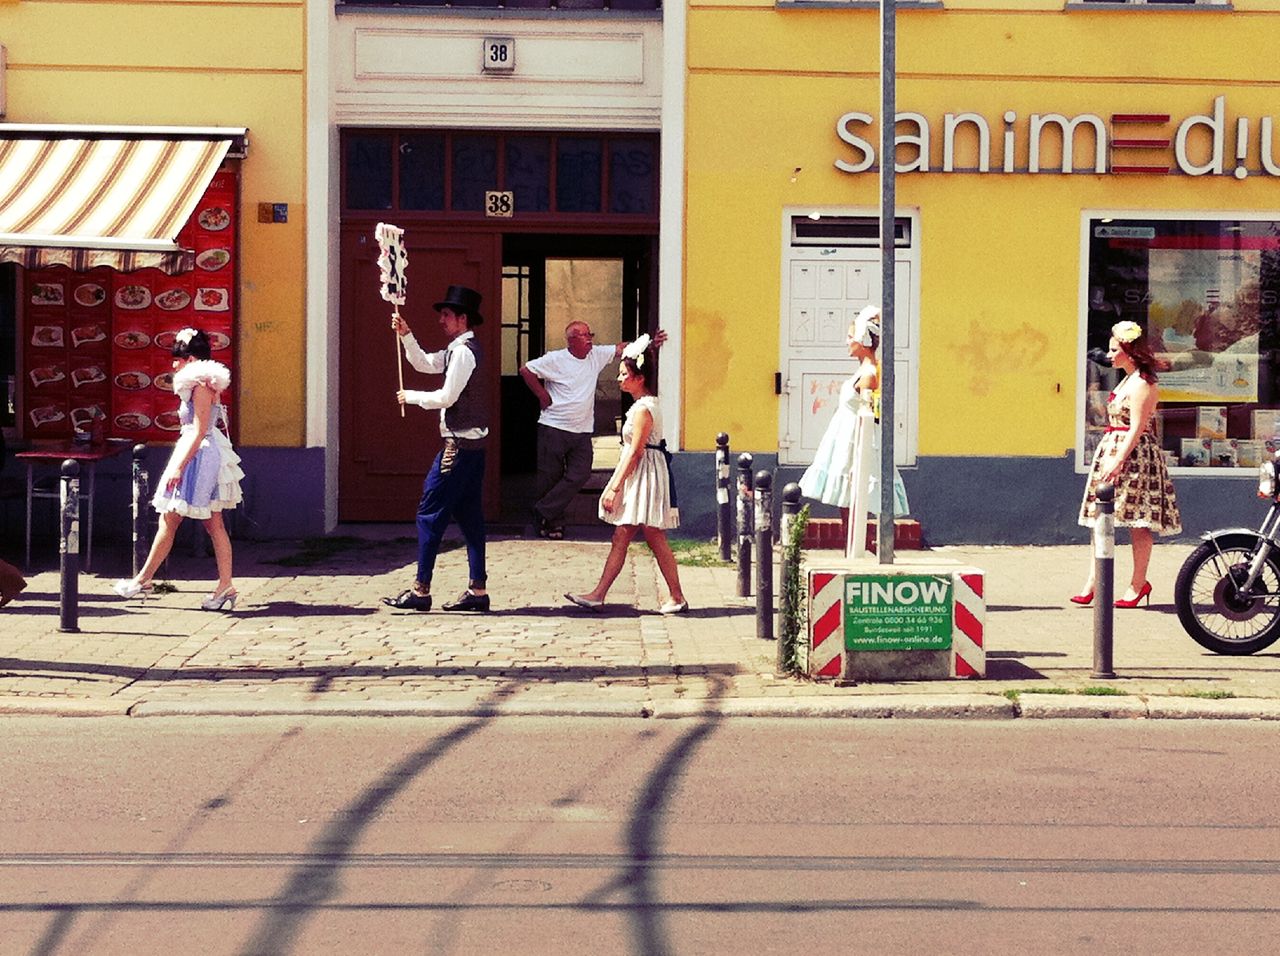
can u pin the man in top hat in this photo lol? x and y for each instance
(453, 489)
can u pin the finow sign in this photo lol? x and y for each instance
(1124, 143)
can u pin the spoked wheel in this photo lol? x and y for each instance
(1211, 607)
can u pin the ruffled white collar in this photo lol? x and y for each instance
(207, 372)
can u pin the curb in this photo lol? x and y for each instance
(868, 706)
(62, 707)
(376, 708)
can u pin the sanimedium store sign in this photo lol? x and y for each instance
(1199, 144)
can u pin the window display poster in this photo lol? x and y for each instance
(98, 343)
(1204, 321)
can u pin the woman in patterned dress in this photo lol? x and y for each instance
(202, 478)
(1129, 458)
(639, 497)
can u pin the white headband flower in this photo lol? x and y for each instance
(866, 325)
(1126, 332)
(635, 351)
(185, 336)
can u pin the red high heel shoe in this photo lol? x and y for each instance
(1144, 592)
(1082, 599)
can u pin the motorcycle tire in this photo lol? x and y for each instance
(1204, 595)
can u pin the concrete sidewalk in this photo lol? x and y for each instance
(311, 637)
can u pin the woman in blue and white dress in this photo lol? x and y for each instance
(850, 447)
(202, 478)
(639, 497)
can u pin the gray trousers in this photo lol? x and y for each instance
(564, 465)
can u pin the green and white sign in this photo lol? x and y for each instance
(897, 612)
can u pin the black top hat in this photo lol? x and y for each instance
(461, 299)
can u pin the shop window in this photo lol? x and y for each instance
(368, 172)
(632, 176)
(1208, 294)
(1150, 3)
(422, 171)
(475, 171)
(578, 173)
(528, 160)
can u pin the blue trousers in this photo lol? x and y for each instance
(453, 491)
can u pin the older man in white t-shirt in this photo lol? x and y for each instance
(564, 382)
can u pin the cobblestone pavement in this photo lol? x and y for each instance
(310, 635)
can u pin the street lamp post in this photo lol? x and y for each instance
(888, 202)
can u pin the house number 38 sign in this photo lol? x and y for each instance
(499, 54)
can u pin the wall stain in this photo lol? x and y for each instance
(983, 351)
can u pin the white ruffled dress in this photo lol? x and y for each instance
(850, 445)
(211, 480)
(645, 498)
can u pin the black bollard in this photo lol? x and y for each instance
(69, 548)
(746, 522)
(764, 555)
(141, 489)
(724, 509)
(1104, 592)
(786, 571)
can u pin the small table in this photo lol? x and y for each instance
(43, 453)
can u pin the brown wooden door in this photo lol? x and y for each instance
(384, 458)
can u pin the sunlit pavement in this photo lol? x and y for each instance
(311, 636)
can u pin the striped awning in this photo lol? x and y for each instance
(90, 196)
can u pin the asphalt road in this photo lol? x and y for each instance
(531, 835)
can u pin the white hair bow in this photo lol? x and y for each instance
(635, 351)
(866, 325)
(185, 336)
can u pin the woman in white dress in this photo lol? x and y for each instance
(639, 496)
(851, 443)
(203, 476)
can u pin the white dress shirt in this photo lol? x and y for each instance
(457, 372)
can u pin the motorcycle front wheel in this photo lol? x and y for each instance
(1209, 603)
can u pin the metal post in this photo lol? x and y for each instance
(69, 547)
(140, 496)
(746, 522)
(764, 556)
(1104, 566)
(724, 512)
(786, 571)
(888, 205)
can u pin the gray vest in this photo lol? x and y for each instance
(471, 410)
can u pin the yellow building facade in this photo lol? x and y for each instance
(1012, 255)
(224, 64)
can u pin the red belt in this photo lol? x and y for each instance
(1118, 428)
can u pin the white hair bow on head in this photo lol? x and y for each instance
(185, 336)
(635, 351)
(866, 325)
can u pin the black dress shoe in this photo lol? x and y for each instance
(468, 602)
(408, 601)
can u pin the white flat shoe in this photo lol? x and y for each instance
(581, 601)
(129, 588)
(674, 607)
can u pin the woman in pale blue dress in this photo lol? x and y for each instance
(202, 478)
(851, 443)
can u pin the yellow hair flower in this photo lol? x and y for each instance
(1126, 332)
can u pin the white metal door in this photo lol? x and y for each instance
(823, 289)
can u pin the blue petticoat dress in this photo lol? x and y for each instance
(211, 480)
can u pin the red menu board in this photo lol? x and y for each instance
(98, 343)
